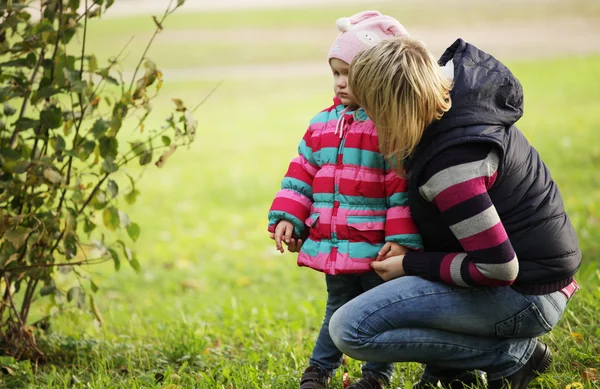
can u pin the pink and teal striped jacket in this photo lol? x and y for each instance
(342, 190)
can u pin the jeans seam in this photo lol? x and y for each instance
(518, 359)
(362, 339)
(521, 362)
(551, 301)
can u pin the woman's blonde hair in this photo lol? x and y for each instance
(401, 87)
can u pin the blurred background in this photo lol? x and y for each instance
(215, 305)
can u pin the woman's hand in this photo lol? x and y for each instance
(389, 268)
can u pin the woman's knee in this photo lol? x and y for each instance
(343, 331)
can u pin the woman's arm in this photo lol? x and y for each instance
(457, 183)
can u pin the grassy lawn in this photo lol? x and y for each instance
(215, 305)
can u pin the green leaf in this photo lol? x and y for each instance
(135, 264)
(9, 110)
(119, 112)
(67, 35)
(58, 144)
(70, 75)
(18, 63)
(180, 3)
(108, 147)
(88, 226)
(99, 200)
(115, 257)
(70, 244)
(47, 91)
(92, 63)
(146, 157)
(78, 295)
(104, 73)
(94, 286)
(132, 196)
(26, 123)
(109, 165)
(17, 236)
(131, 257)
(86, 149)
(166, 140)
(133, 230)
(110, 216)
(74, 5)
(79, 86)
(47, 290)
(51, 117)
(100, 127)
(112, 189)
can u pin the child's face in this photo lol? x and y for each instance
(340, 82)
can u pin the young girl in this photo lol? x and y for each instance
(350, 201)
(499, 253)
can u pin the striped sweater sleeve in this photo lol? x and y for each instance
(457, 183)
(294, 200)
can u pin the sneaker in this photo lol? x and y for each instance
(367, 382)
(538, 363)
(467, 379)
(314, 378)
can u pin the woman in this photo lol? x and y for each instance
(500, 252)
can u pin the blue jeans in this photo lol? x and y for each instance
(340, 290)
(410, 319)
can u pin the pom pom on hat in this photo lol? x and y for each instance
(343, 24)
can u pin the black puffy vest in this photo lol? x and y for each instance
(486, 102)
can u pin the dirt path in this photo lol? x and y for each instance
(518, 40)
(522, 39)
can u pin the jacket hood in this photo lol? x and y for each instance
(484, 92)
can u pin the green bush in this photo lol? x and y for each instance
(63, 154)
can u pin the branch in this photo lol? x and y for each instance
(94, 261)
(84, 40)
(58, 34)
(125, 161)
(26, 303)
(90, 197)
(87, 9)
(12, 302)
(78, 127)
(207, 96)
(13, 138)
(168, 11)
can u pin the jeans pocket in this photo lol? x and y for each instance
(529, 323)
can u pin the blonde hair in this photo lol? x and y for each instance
(401, 87)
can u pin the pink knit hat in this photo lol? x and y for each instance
(363, 30)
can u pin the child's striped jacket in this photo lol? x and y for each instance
(344, 192)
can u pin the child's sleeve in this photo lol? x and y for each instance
(294, 200)
(399, 226)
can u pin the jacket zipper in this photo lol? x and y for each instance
(336, 203)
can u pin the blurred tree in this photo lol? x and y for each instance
(61, 157)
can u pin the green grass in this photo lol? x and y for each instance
(216, 307)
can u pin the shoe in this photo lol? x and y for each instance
(314, 378)
(538, 363)
(466, 379)
(367, 382)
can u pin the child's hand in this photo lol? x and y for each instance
(283, 232)
(391, 249)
